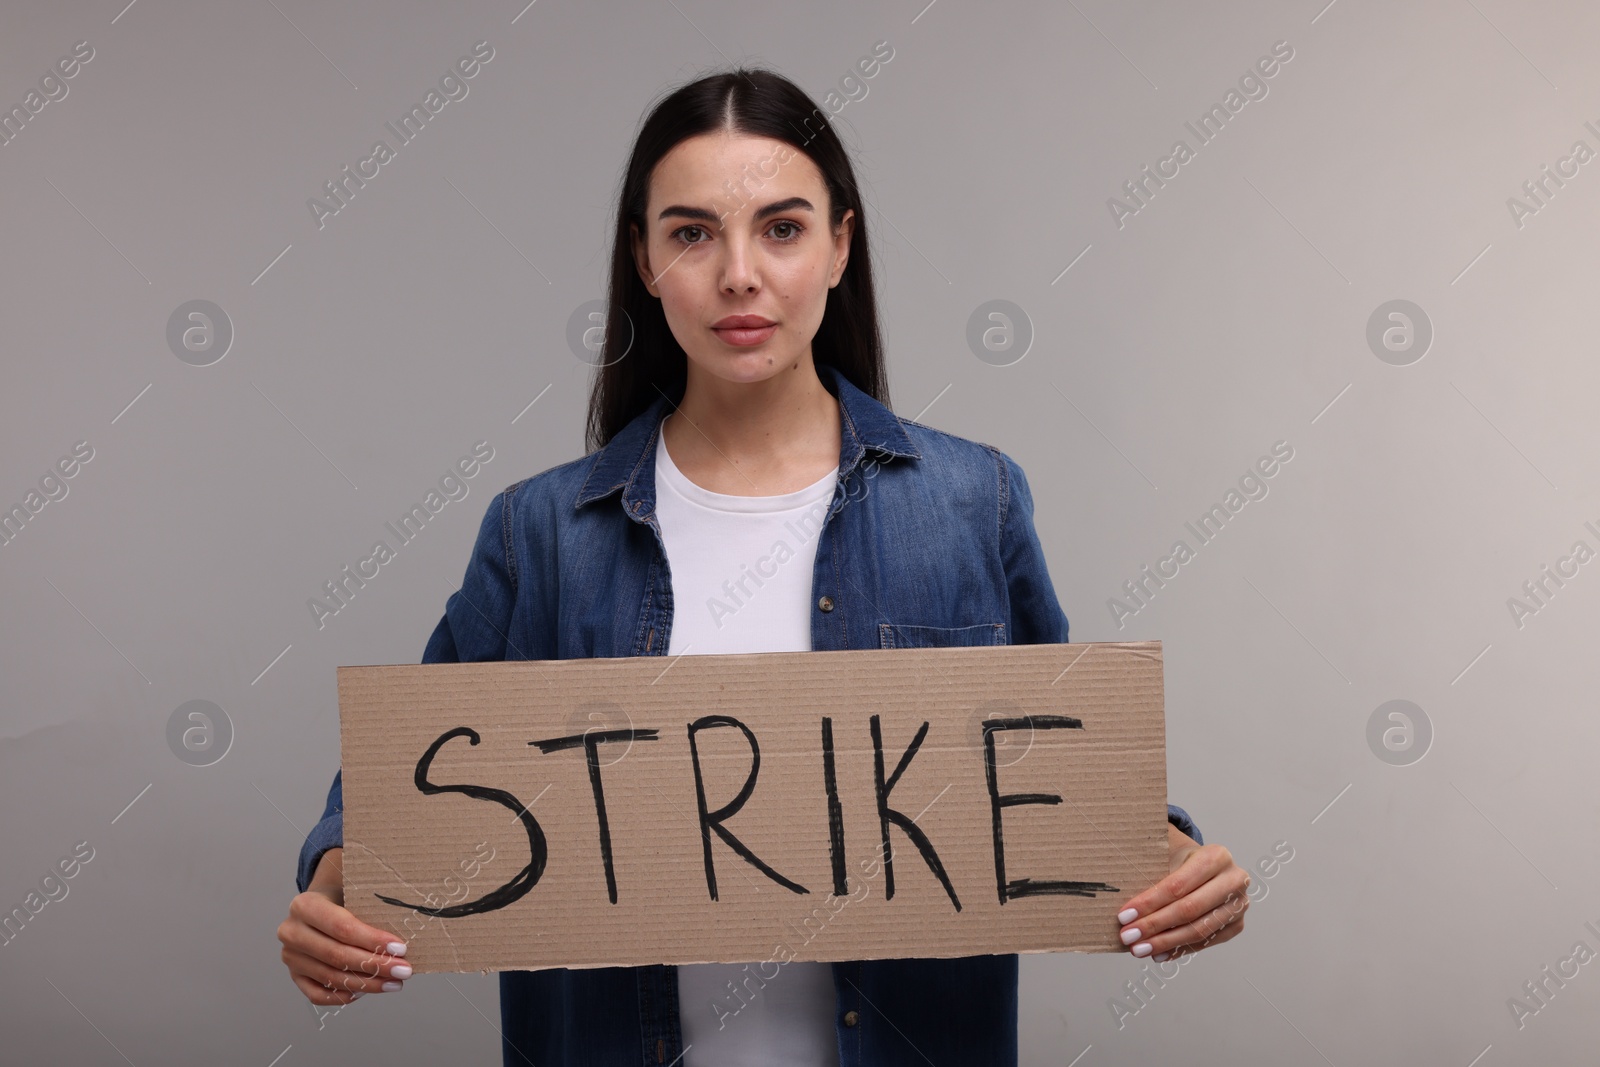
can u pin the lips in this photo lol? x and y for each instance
(744, 330)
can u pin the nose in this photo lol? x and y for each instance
(739, 270)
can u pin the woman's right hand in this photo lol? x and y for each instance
(333, 956)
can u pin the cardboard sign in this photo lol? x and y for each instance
(922, 802)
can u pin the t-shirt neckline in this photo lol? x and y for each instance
(667, 472)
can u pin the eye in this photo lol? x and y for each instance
(793, 226)
(677, 235)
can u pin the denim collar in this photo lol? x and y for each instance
(622, 464)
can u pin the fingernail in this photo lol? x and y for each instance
(400, 970)
(397, 948)
(391, 987)
(1142, 949)
(1130, 936)
(1161, 957)
(1127, 915)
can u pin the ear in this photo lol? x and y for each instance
(841, 246)
(641, 259)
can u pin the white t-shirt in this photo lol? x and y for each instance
(741, 582)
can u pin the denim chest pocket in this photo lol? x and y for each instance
(891, 635)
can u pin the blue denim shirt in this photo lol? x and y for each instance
(929, 542)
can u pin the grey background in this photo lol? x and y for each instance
(1227, 315)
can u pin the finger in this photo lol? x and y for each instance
(306, 940)
(1227, 933)
(1202, 889)
(331, 978)
(339, 923)
(317, 993)
(1197, 868)
(1226, 890)
(328, 993)
(1203, 932)
(345, 981)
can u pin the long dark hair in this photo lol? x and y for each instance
(748, 101)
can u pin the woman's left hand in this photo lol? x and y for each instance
(1200, 904)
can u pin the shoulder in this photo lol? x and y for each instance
(526, 521)
(550, 486)
(539, 502)
(964, 461)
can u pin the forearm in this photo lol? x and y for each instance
(329, 874)
(327, 834)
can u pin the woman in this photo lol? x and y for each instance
(747, 413)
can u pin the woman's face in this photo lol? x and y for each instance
(739, 252)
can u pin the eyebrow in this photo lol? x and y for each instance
(793, 203)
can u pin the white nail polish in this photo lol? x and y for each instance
(1142, 950)
(1125, 916)
(1161, 957)
(400, 970)
(1130, 936)
(390, 987)
(396, 948)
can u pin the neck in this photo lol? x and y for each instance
(756, 421)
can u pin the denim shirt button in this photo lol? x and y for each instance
(826, 603)
(851, 1018)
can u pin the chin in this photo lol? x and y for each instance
(753, 365)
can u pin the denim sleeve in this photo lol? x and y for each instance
(1036, 615)
(328, 833)
(477, 616)
(475, 620)
(1180, 818)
